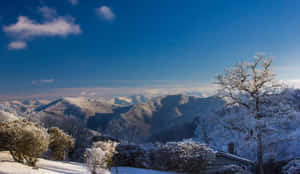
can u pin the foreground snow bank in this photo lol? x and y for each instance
(8, 166)
(130, 170)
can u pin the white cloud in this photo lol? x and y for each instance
(53, 25)
(26, 28)
(106, 13)
(73, 2)
(17, 45)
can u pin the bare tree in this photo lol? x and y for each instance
(250, 85)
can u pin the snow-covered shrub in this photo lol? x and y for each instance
(100, 156)
(133, 155)
(25, 140)
(109, 147)
(73, 127)
(293, 167)
(59, 144)
(186, 156)
(183, 157)
(96, 160)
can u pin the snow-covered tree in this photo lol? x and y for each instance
(99, 157)
(250, 85)
(24, 140)
(60, 143)
(280, 135)
(96, 160)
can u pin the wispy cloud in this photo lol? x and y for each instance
(53, 25)
(17, 45)
(195, 89)
(97, 92)
(73, 2)
(47, 80)
(35, 82)
(106, 13)
(48, 13)
(88, 93)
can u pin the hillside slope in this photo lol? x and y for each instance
(159, 114)
(80, 108)
(26, 106)
(162, 118)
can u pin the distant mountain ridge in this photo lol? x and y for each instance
(145, 121)
(148, 120)
(80, 108)
(125, 100)
(25, 106)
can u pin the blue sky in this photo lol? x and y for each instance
(116, 43)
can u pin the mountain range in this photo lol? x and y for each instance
(134, 118)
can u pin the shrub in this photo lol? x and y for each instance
(100, 156)
(186, 156)
(59, 144)
(25, 140)
(182, 157)
(95, 159)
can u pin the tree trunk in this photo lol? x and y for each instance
(259, 153)
(259, 140)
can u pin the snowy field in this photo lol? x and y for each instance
(7, 166)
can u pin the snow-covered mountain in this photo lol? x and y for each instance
(125, 100)
(156, 119)
(84, 112)
(25, 106)
(160, 115)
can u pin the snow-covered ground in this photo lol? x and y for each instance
(130, 170)
(7, 166)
